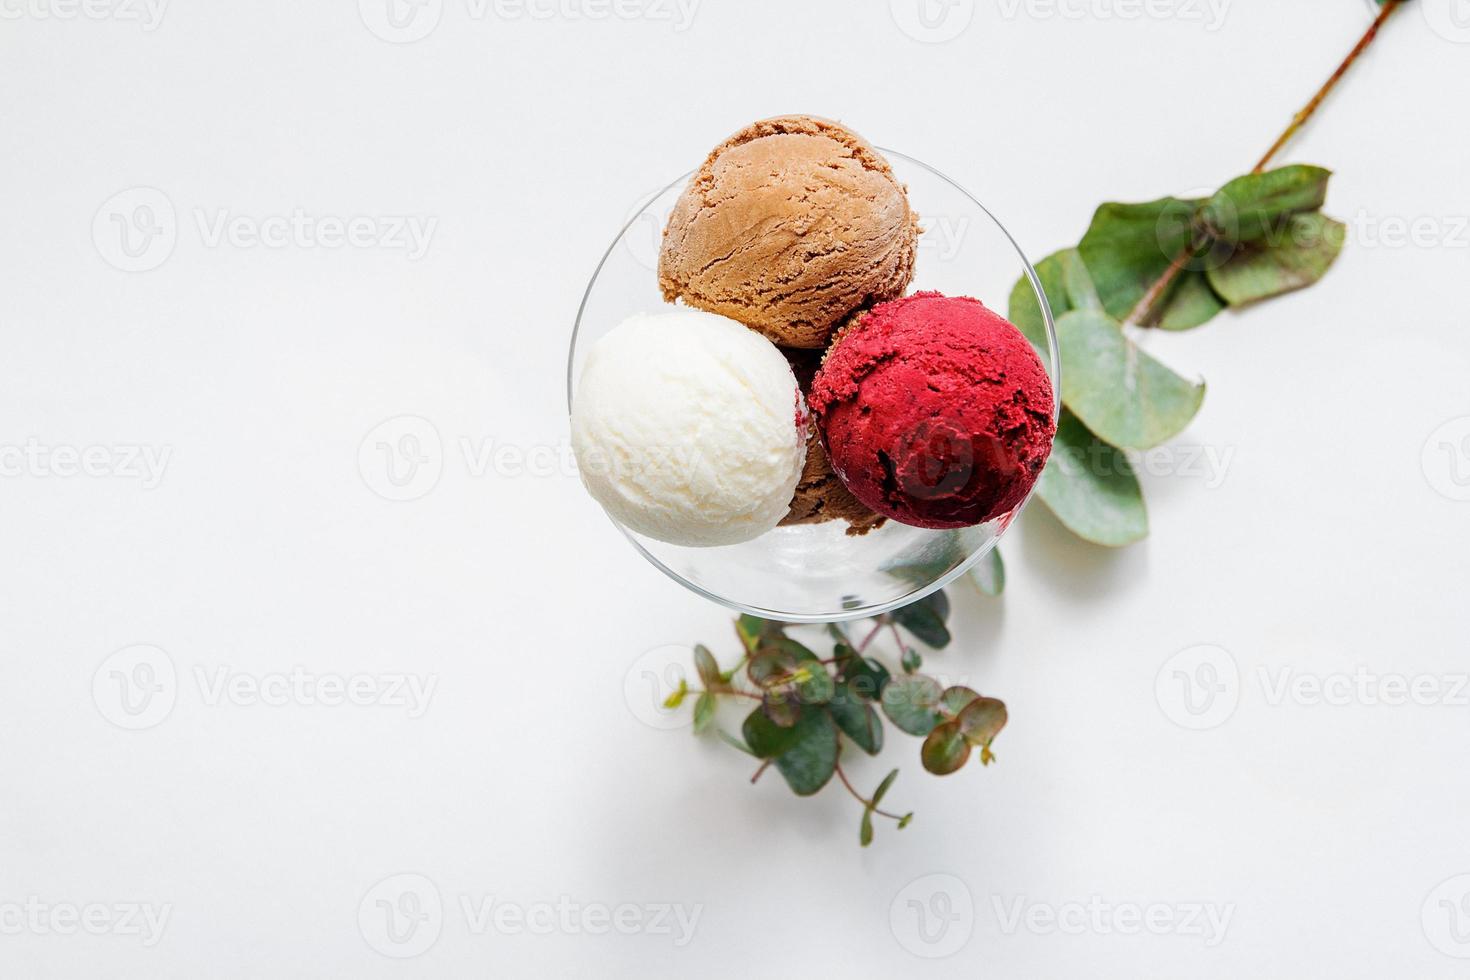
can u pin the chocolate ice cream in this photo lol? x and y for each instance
(820, 495)
(790, 226)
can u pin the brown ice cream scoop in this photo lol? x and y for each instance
(821, 497)
(820, 494)
(791, 225)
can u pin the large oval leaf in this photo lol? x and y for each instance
(1252, 206)
(945, 750)
(1068, 286)
(765, 738)
(911, 703)
(812, 757)
(857, 719)
(1091, 489)
(1292, 257)
(982, 720)
(926, 619)
(1122, 394)
(1129, 247)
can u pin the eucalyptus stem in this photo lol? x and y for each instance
(1300, 119)
(862, 799)
(1144, 312)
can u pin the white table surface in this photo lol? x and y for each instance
(261, 828)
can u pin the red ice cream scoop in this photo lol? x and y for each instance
(935, 411)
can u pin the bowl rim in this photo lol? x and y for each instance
(1052, 356)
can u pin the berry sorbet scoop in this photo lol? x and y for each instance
(935, 411)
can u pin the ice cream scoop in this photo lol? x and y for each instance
(821, 497)
(789, 226)
(935, 411)
(689, 428)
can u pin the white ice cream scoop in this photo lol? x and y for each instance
(689, 428)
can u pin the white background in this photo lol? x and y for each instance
(1329, 542)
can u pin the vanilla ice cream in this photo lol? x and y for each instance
(689, 428)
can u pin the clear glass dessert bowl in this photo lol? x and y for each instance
(818, 573)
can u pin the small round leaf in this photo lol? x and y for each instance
(945, 750)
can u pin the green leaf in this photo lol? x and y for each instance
(857, 719)
(910, 703)
(709, 671)
(813, 684)
(754, 631)
(771, 667)
(812, 758)
(782, 707)
(925, 619)
(1090, 487)
(945, 750)
(765, 738)
(982, 720)
(704, 712)
(1292, 257)
(795, 650)
(911, 660)
(957, 699)
(865, 676)
(1068, 286)
(1122, 393)
(733, 742)
(677, 697)
(1129, 247)
(1191, 303)
(883, 787)
(1252, 206)
(865, 830)
(937, 558)
(905, 820)
(989, 574)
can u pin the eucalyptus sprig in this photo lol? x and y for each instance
(1171, 264)
(806, 710)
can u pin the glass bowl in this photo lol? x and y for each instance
(818, 573)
